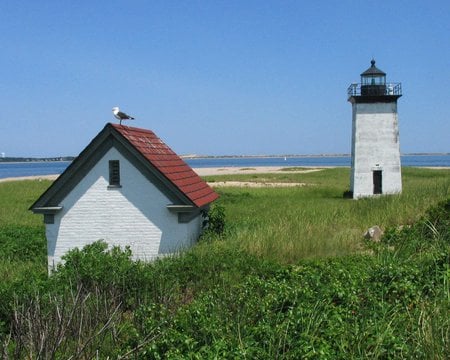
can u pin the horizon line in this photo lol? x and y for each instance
(196, 156)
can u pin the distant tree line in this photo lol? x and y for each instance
(30, 159)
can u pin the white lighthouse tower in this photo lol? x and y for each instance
(376, 165)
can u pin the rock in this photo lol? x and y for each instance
(374, 233)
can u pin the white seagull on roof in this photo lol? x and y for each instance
(121, 115)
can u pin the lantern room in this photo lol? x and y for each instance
(373, 81)
(373, 87)
(373, 76)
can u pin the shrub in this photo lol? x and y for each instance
(23, 243)
(99, 268)
(214, 220)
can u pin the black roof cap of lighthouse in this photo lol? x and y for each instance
(373, 71)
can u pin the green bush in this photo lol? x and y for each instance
(214, 220)
(22, 265)
(23, 243)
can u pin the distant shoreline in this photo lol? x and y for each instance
(225, 170)
(200, 157)
(16, 160)
(19, 160)
(33, 162)
(193, 157)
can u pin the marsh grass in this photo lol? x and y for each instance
(15, 199)
(294, 168)
(288, 224)
(217, 301)
(22, 238)
(285, 224)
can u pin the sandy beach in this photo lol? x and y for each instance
(253, 170)
(199, 171)
(38, 177)
(218, 171)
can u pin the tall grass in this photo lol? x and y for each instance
(288, 224)
(23, 254)
(285, 224)
(217, 301)
(15, 199)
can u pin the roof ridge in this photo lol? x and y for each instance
(131, 128)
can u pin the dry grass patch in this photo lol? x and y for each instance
(254, 184)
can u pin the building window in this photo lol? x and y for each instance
(114, 173)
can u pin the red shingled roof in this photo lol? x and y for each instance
(168, 164)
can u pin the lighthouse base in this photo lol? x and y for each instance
(376, 168)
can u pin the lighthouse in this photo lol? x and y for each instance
(376, 167)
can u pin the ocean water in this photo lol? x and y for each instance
(32, 168)
(48, 168)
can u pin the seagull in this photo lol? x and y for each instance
(121, 115)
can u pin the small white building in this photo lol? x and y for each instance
(376, 167)
(127, 188)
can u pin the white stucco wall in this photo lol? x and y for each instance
(134, 215)
(375, 146)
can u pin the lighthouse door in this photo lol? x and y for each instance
(377, 182)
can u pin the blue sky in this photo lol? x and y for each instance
(218, 77)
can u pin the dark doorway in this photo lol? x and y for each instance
(377, 181)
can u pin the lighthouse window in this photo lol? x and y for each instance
(114, 174)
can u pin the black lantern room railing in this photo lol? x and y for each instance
(394, 89)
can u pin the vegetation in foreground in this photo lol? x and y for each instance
(220, 300)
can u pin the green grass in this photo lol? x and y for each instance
(270, 287)
(22, 234)
(295, 168)
(288, 224)
(15, 199)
